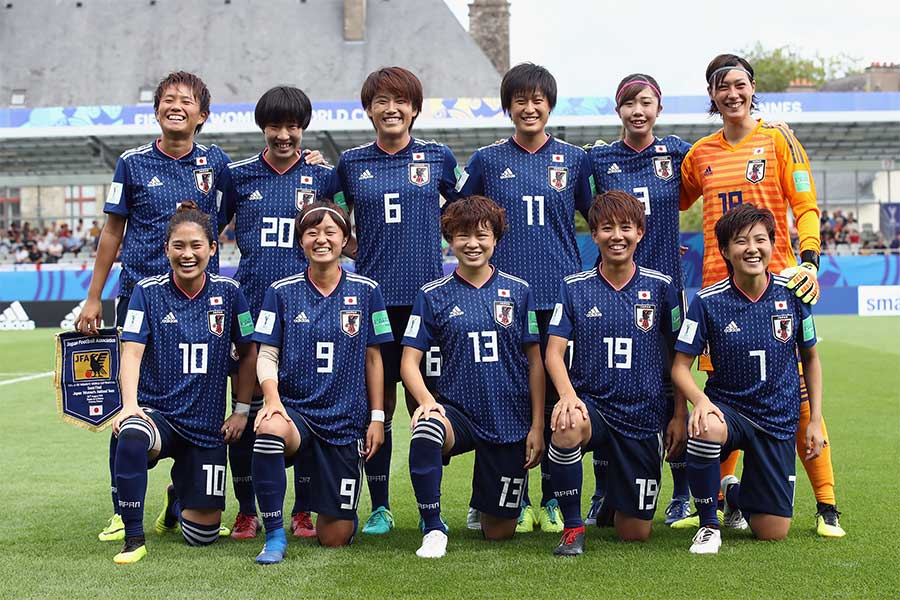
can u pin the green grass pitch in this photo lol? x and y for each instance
(54, 499)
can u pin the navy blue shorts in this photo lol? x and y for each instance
(769, 475)
(335, 472)
(391, 352)
(122, 310)
(635, 468)
(499, 478)
(198, 473)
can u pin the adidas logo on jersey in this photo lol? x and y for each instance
(255, 195)
(456, 312)
(507, 174)
(732, 328)
(707, 172)
(613, 168)
(169, 318)
(15, 317)
(594, 312)
(301, 318)
(366, 175)
(155, 182)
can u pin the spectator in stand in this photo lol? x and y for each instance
(852, 234)
(851, 220)
(895, 243)
(35, 256)
(94, 237)
(839, 220)
(879, 246)
(824, 219)
(54, 251)
(22, 256)
(841, 237)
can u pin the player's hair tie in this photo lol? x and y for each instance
(728, 68)
(640, 82)
(331, 210)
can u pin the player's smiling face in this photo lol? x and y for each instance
(474, 248)
(189, 251)
(391, 115)
(529, 112)
(323, 243)
(283, 140)
(750, 251)
(617, 241)
(733, 95)
(639, 114)
(179, 112)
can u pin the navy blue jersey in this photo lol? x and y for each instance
(540, 192)
(753, 347)
(653, 176)
(481, 332)
(265, 204)
(323, 340)
(146, 189)
(187, 345)
(620, 356)
(396, 203)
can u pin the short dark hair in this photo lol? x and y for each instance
(393, 80)
(713, 78)
(741, 218)
(315, 212)
(616, 206)
(631, 86)
(189, 212)
(283, 104)
(527, 78)
(468, 213)
(196, 85)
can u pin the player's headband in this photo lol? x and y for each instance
(638, 82)
(712, 75)
(331, 210)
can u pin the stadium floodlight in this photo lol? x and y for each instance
(145, 95)
(17, 98)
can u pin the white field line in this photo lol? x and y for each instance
(27, 378)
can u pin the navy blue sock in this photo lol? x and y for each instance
(733, 496)
(546, 482)
(240, 458)
(426, 469)
(703, 474)
(526, 498)
(678, 466)
(269, 480)
(566, 476)
(378, 471)
(196, 534)
(112, 472)
(601, 466)
(136, 438)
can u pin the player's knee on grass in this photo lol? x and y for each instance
(769, 528)
(495, 529)
(334, 533)
(631, 529)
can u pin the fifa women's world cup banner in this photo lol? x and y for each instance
(87, 378)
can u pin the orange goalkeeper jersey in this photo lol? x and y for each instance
(768, 168)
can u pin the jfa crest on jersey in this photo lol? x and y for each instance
(620, 361)
(322, 363)
(396, 202)
(147, 188)
(756, 170)
(480, 333)
(264, 203)
(753, 348)
(653, 176)
(184, 370)
(540, 192)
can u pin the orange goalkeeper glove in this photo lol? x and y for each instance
(802, 279)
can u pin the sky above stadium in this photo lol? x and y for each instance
(589, 45)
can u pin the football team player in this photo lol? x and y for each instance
(540, 181)
(622, 319)
(490, 394)
(747, 162)
(321, 372)
(649, 168)
(176, 344)
(754, 327)
(264, 194)
(149, 183)
(393, 187)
